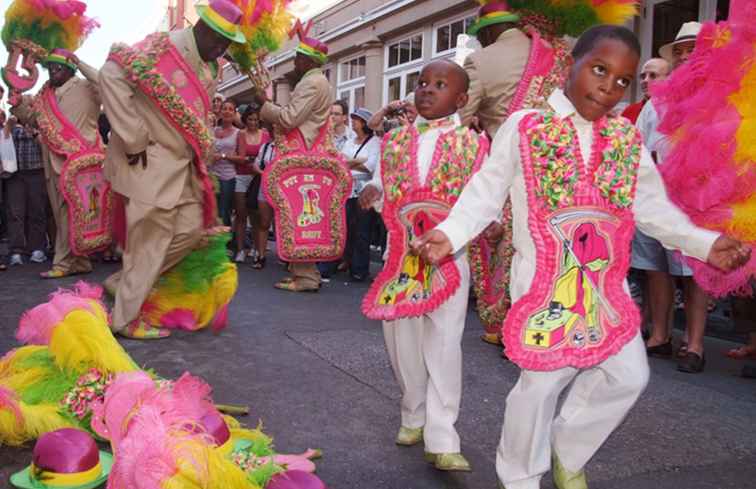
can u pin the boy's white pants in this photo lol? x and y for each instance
(596, 404)
(426, 355)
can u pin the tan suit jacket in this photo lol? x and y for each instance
(78, 100)
(138, 125)
(308, 109)
(495, 72)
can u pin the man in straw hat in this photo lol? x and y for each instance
(158, 151)
(307, 111)
(662, 265)
(77, 101)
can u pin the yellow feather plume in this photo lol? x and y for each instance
(83, 341)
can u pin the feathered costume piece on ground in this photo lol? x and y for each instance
(169, 435)
(48, 23)
(69, 359)
(266, 24)
(570, 17)
(196, 292)
(708, 110)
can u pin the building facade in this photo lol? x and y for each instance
(377, 48)
(179, 14)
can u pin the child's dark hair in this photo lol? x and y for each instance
(592, 36)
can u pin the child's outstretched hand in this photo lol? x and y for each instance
(433, 246)
(369, 195)
(727, 254)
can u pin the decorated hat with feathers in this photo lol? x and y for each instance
(558, 17)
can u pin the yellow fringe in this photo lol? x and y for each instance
(743, 222)
(616, 12)
(37, 420)
(83, 341)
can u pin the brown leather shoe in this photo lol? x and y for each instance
(691, 363)
(663, 350)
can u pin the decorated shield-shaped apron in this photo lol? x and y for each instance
(308, 189)
(576, 312)
(82, 182)
(408, 286)
(490, 263)
(88, 196)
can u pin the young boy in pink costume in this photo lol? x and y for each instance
(422, 171)
(580, 182)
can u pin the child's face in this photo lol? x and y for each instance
(440, 90)
(599, 78)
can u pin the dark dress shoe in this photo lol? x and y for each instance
(691, 363)
(749, 371)
(663, 350)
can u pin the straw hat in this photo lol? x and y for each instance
(688, 32)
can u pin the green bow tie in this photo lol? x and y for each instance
(425, 126)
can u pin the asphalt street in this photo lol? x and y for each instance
(316, 373)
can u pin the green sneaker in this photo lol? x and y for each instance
(564, 479)
(409, 436)
(452, 462)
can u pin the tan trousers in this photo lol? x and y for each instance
(305, 274)
(426, 356)
(597, 401)
(64, 259)
(157, 239)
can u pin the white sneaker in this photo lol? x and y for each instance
(240, 256)
(38, 256)
(16, 259)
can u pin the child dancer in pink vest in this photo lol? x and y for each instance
(423, 170)
(580, 181)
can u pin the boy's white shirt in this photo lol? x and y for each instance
(501, 176)
(426, 145)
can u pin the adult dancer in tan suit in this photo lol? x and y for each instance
(496, 70)
(155, 166)
(307, 111)
(79, 101)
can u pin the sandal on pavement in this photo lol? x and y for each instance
(661, 350)
(58, 273)
(691, 363)
(292, 286)
(491, 339)
(140, 330)
(742, 353)
(258, 263)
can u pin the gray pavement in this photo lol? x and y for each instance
(315, 371)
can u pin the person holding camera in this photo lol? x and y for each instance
(248, 143)
(394, 114)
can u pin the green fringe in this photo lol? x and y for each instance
(197, 270)
(262, 475)
(571, 19)
(49, 37)
(53, 387)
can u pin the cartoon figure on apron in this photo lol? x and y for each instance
(576, 299)
(311, 212)
(416, 275)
